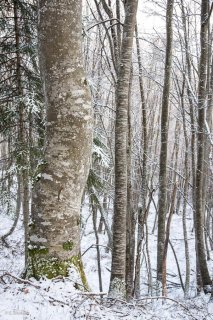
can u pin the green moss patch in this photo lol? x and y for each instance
(68, 245)
(49, 267)
(37, 251)
(40, 264)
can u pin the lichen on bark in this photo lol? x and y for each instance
(68, 245)
(40, 264)
(117, 289)
(49, 267)
(56, 196)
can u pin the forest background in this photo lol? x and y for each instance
(147, 83)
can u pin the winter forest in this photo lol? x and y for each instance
(106, 172)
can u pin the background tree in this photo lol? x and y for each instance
(202, 106)
(162, 199)
(117, 282)
(21, 121)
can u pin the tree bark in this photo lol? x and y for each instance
(55, 227)
(117, 281)
(162, 203)
(199, 209)
(173, 199)
(144, 187)
(193, 129)
(186, 188)
(130, 219)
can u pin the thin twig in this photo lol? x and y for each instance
(20, 280)
(173, 300)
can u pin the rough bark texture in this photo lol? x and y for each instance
(162, 203)
(55, 228)
(117, 282)
(144, 187)
(199, 221)
(193, 131)
(130, 220)
(186, 191)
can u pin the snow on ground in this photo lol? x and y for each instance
(12, 258)
(57, 299)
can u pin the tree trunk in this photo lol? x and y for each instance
(17, 212)
(172, 207)
(22, 158)
(117, 281)
(94, 220)
(162, 203)
(130, 219)
(186, 189)
(144, 187)
(193, 132)
(55, 228)
(199, 221)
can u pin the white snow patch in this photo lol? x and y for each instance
(47, 176)
(35, 238)
(58, 299)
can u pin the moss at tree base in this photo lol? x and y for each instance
(40, 264)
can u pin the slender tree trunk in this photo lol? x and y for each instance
(23, 154)
(208, 130)
(209, 121)
(117, 282)
(150, 282)
(172, 207)
(108, 10)
(141, 236)
(130, 221)
(193, 132)
(94, 220)
(55, 227)
(17, 212)
(186, 190)
(162, 203)
(199, 222)
(144, 186)
(118, 16)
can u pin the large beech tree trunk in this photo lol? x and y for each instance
(117, 282)
(54, 232)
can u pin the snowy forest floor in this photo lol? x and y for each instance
(58, 299)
